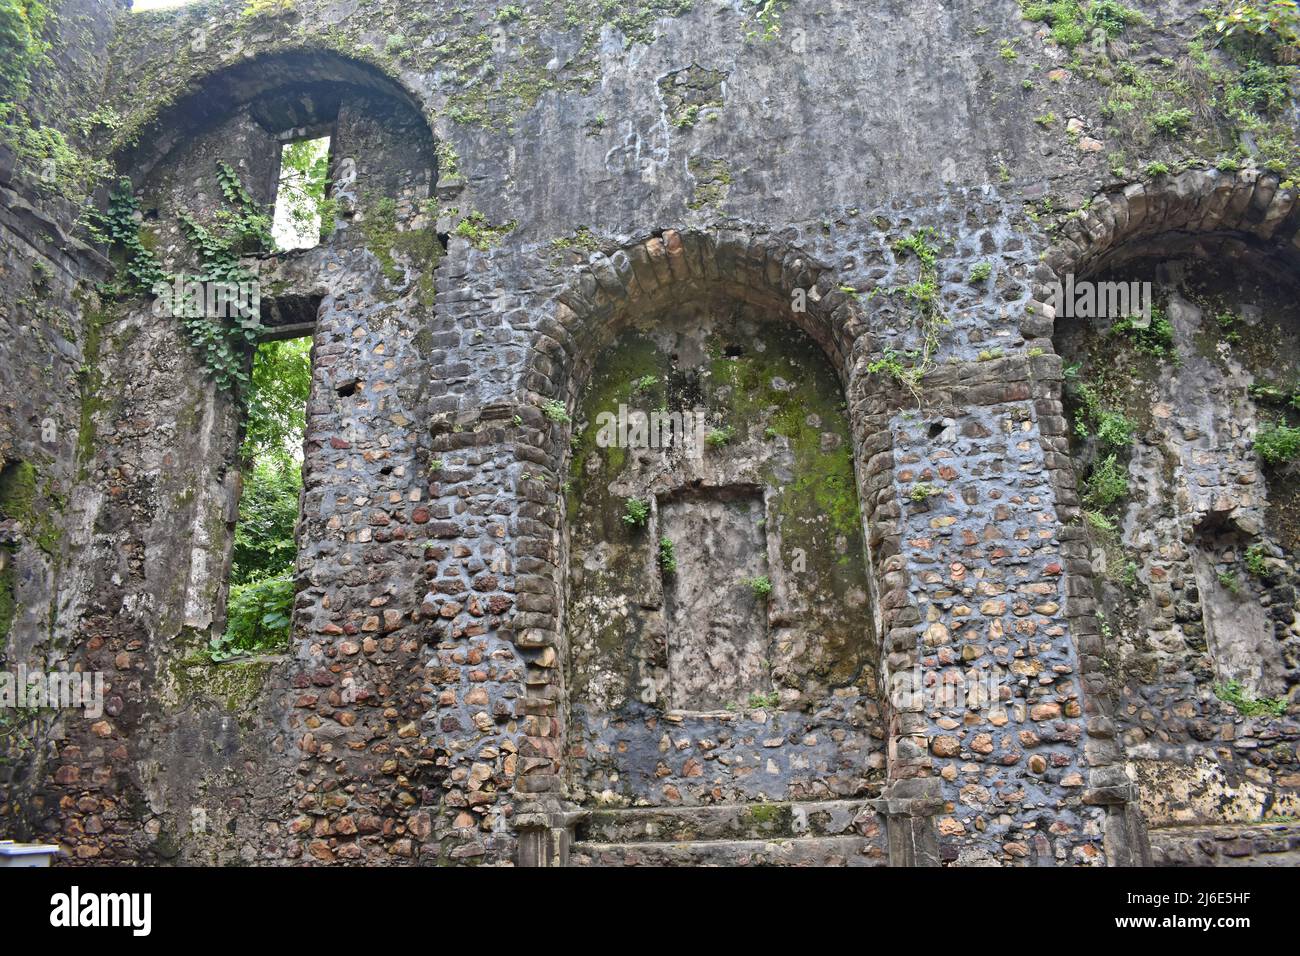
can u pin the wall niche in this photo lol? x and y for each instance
(717, 584)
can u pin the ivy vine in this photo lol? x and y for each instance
(221, 343)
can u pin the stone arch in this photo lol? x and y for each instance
(642, 279)
(1196, 202)
(214, 97)
(1194, 459)
(358, 307)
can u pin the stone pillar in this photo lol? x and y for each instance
(909, 808)
(995, 690)
(545, 830)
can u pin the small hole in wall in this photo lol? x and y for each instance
(348, 389)
(734, 351)
(936, 429)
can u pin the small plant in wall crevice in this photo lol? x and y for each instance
(1231, 692)
(667, 556)
(636, 513)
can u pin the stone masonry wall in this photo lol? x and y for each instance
(891, 190)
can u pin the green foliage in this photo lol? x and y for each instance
(1129, 574)
(1277, 442)
(260, 606)
(1072, 22)
(924, 296)
(761, 586)
(888, 364)
(258, 618)
(44, 151)
(556, 412)
(635, 513)
(718, 437)
(1106, 484)
(482, 235)
(1100, 522)
(265, 8)
(268, 513)
(1256, 560)
(583, 240)
(277, 399)
(1231, 692)
(763, 18)
(309, 213)
(1114, 429)
(922, 491)
(763, 702)
(118, 226)
(1227, 322)
(1111, 16)
(221, 342)
(22, 48)
(1254, 25)
(980, 273)
(1156, 339)
(1260, 88)
(1172, 122)
(667, 556)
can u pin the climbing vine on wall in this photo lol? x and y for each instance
(21, 45)
(221, 342)
(923, 297)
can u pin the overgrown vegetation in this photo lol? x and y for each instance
(1156, 338)
(1106, 484)
(555, 411)
(1277, 442)
(1073, 21)
(763, 18)
(220, 342)
(718, 437)
(923, 298)
(305, 212)
(260, 605)
(761, 586)
(1256, 560)
(667, 556)
(1231, 692)
(635, 513)
(1113, 429)
(22, 47)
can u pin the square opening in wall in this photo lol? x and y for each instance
(716, 600)
(303, 210)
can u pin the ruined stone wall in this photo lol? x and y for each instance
(48, 272)
(518, 188)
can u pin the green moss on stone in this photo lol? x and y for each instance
(389, 244)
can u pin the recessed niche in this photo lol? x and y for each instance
(716, 622)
